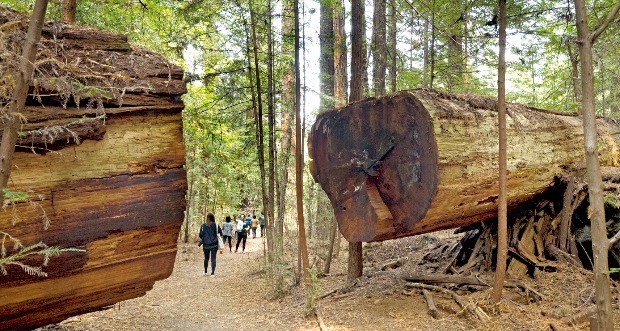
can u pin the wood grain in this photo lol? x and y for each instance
(345, 141)
(111, 180)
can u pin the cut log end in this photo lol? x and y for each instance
(377, 161)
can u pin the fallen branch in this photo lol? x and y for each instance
(469, 280)
(613, 240)
(471, 308)
(319, 318)
(580, 317)
(432, 310)
(326, 294)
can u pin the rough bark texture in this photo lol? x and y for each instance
(357, 51)
(68, 11)
(114, 188)
(340, 55)
(420, 160)
(502, 217)
(379, 48)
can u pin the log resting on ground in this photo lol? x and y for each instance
(110, 179)
(421, 160)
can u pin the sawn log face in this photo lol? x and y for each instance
(110, 179)
(381, 164)
(360, 156)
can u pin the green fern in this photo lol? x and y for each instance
(21, 252)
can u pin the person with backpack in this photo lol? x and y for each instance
(209, 242)
(242, 234)
(227, 230)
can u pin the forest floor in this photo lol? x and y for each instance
(239, 297)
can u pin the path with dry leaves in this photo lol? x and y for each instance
(236, 299)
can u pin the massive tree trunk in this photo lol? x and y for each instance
(421, 160)
(108, 175)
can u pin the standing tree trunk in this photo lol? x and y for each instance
(287, 102)
(326, 58)
(12, 121)
(431, 51)
(278, 226)
(379, 49)
(68, 11)
(188, 211)
(355, 263)
(299, 188)
(257, 102)
(600, 243)
(502, 217)
(357, 51)
(425, 69)
(392, 47)
(340, 55)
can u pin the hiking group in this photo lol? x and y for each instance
(213, 237)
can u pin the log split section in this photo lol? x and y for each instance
(421, 160)
(108, 173)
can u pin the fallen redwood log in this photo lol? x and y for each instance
(101, 159)
(421, 160)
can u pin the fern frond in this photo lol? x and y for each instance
(30, 270)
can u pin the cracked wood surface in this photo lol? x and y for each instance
(111, 181)
(370, 158)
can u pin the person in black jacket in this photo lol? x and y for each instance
(208, 236)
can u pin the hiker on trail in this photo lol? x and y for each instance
(248, 221)
(227, 230)
(242, 235)
(208, 236)
(261, 220)
(254, 225)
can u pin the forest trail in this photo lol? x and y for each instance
(237, 298)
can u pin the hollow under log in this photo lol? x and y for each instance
(421, 160)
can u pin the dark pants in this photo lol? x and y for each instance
(229, 242)
(254, 232)
(262, 230)
(213, 253)
(241, 237)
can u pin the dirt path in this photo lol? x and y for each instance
(236, 299)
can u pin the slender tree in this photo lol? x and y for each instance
(23, 78)
(393, 52)
(355, 262)
(326, 57)
(379, 49)
(68, 11)
(340, 55)
(600, 242)
(287, 101)
(357, 51)
(299, 188)
(270, 213)
(502, 219)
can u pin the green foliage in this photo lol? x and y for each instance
(14, 196)
(21, 256)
